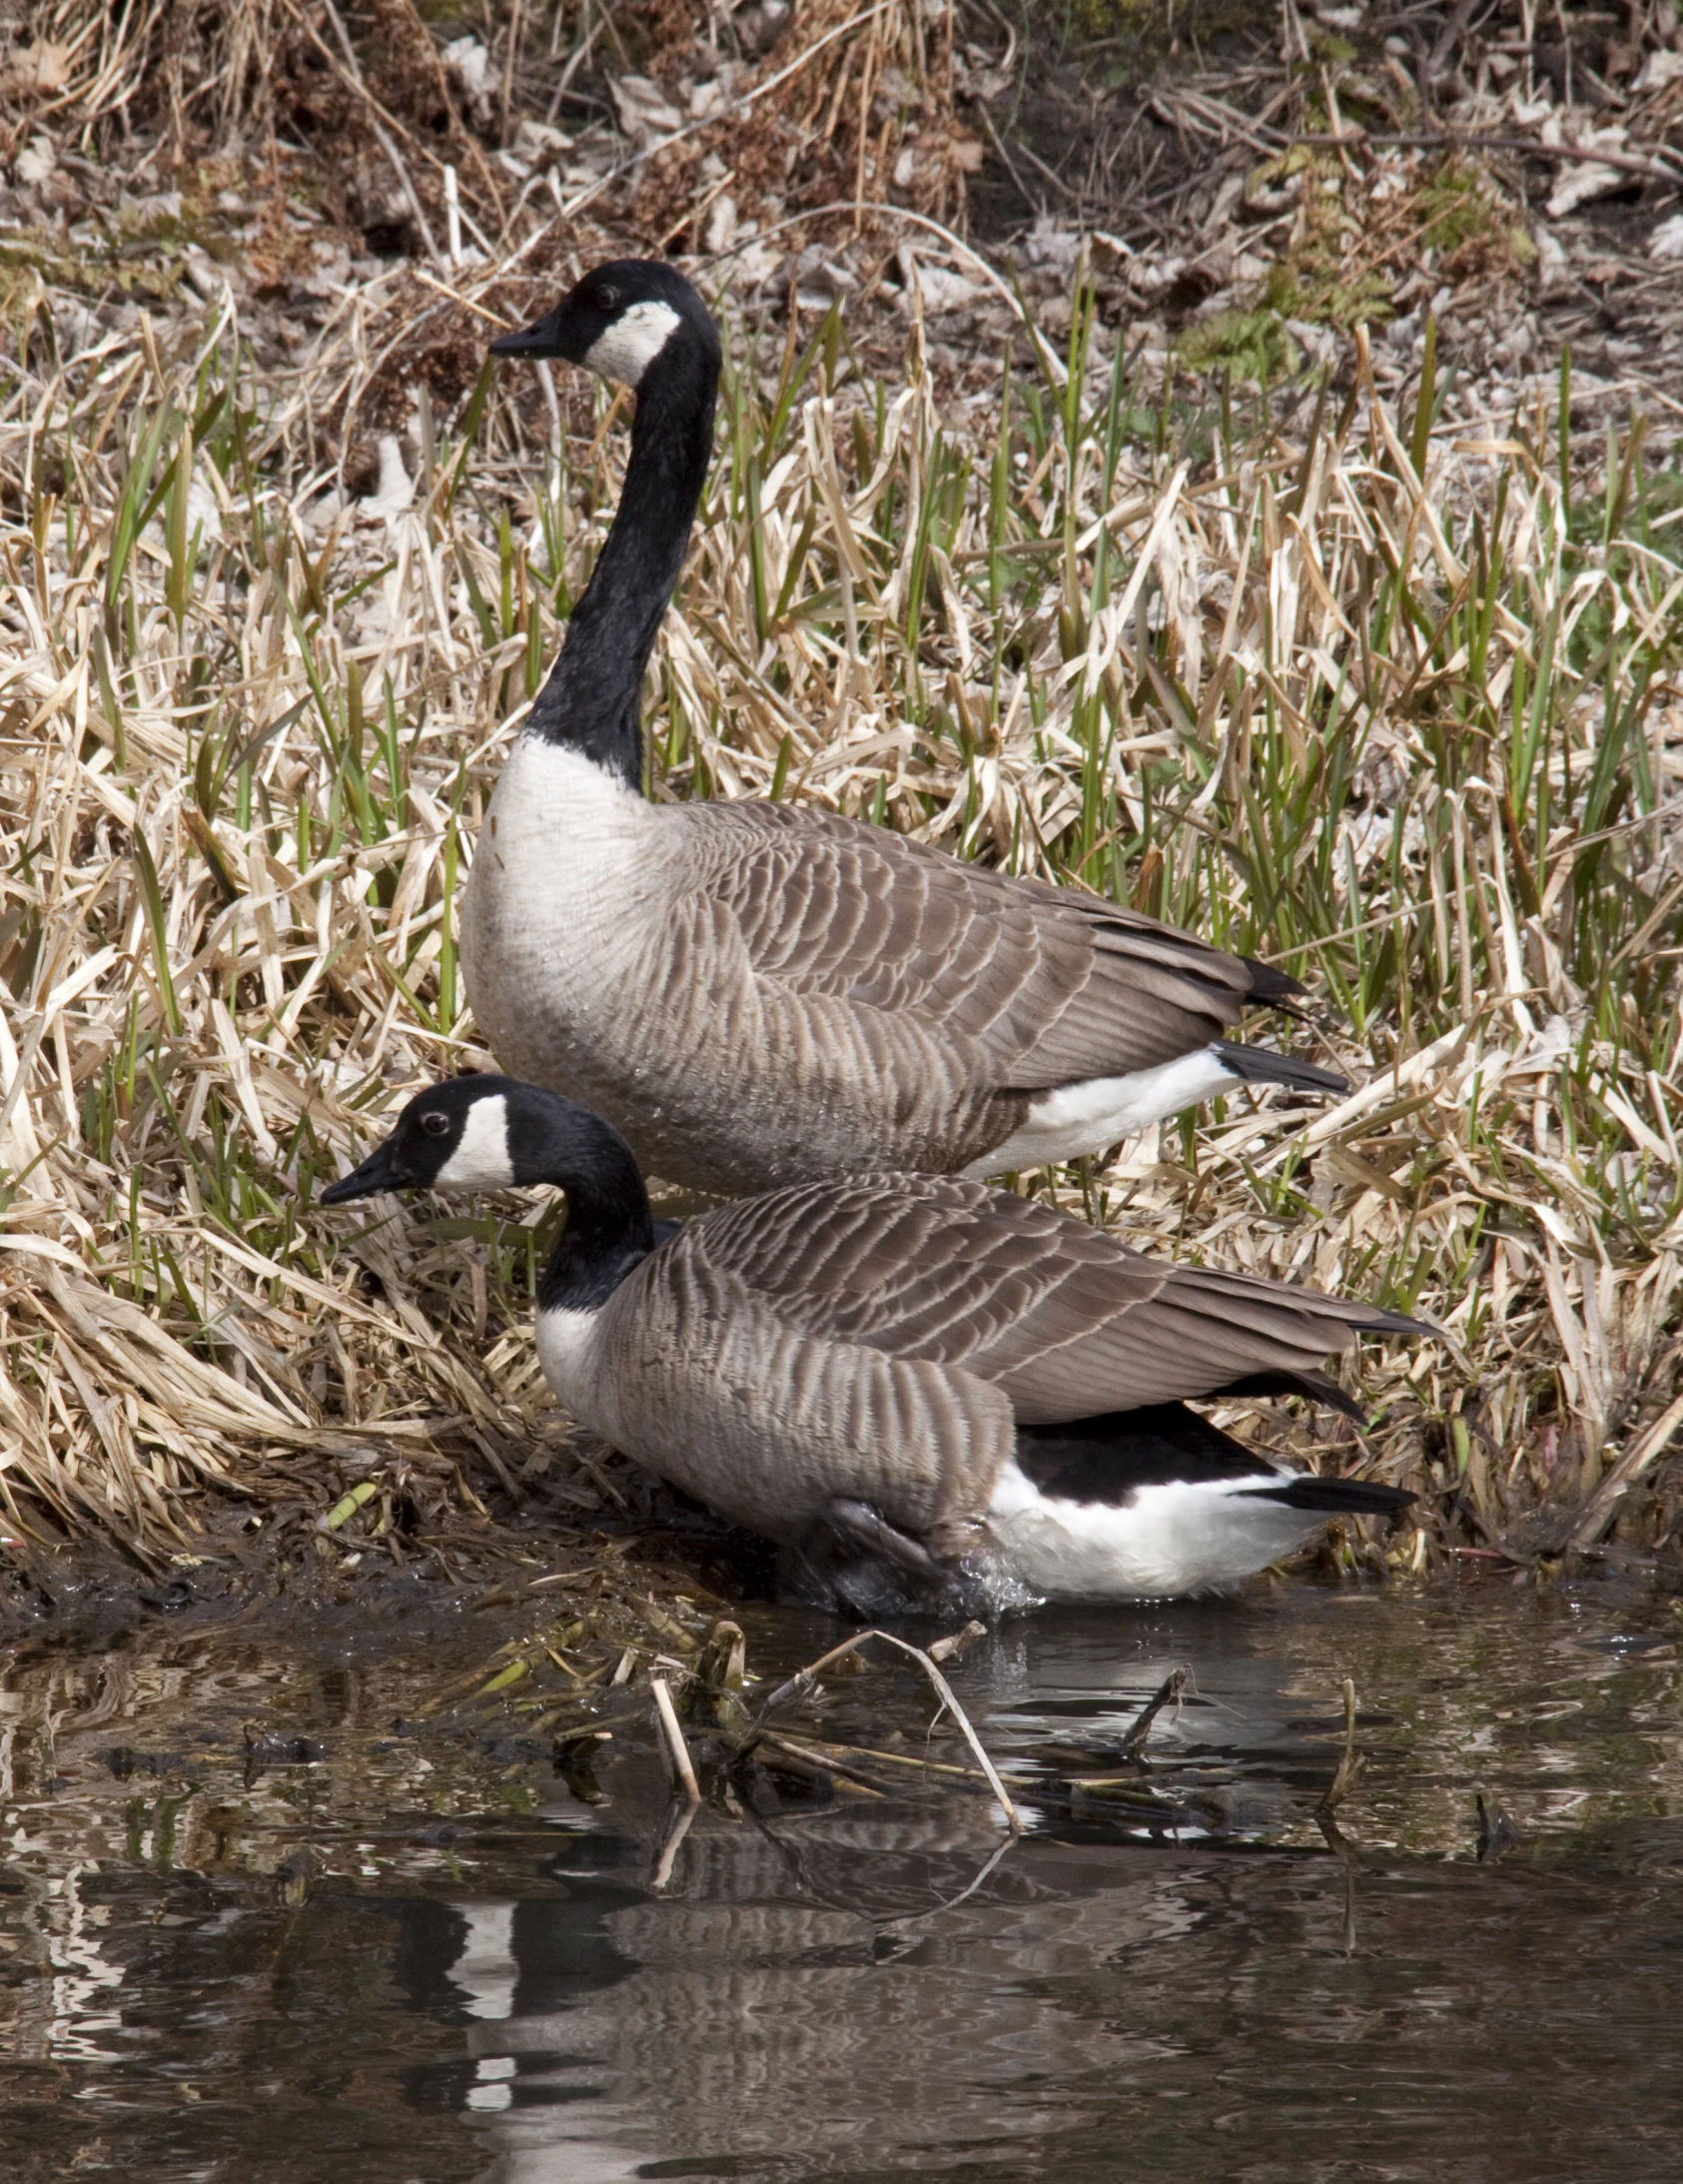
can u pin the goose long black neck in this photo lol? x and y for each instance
(592, 701)
(609, 1229)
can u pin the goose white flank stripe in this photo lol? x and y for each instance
(928, 1393)
(757, 995)
(1064, 1124)
(1184, 1535)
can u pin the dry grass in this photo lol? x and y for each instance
(1390, 699)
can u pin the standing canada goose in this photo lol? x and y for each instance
(913, 1382)
(757, 995)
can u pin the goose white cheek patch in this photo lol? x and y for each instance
(480, 1162)
(633, 342)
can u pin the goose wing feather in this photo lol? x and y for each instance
(780, 1419)
(1052, 985)
(1065, 1320)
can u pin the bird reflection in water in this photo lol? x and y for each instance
(839, 1987)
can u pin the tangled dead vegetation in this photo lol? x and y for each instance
(1375, 673)
(407, 144)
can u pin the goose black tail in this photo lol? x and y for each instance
(1268, 985)
(1261, 1065)
(1335, 1497)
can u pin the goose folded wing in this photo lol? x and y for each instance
(1049, 984)
(1066, 1321)
(782, 1416)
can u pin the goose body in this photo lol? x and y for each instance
(914, 1383)
(759, 996)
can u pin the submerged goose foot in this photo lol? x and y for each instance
(851, 1560)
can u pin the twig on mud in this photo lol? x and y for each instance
(405, 183)
(1351, 140)
(1033, 204)
(577, 58)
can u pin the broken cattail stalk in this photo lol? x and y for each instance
(819, 1764)
(678, 1751)
(1169, 1694)
(893, 1759)
(949, 1649)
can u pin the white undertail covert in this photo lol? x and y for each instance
(1188, 1536)
(1074, 1118)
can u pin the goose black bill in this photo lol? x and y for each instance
(381, 1171)
(540, 339)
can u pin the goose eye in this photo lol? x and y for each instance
(607, 299)
(436, 1125)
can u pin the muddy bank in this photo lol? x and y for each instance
(302, 1579)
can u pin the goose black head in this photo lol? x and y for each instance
(494, 1133)
(452, 1136)
(486, 1134)
(618, 320)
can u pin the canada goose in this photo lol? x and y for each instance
(913, 1382)
(757, 995)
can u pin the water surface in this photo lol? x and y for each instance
(259, 1923)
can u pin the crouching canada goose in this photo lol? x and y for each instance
(915, 1383)
(757, 995)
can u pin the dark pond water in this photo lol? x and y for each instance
(357, 1954)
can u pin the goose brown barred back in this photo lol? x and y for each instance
(758, 995)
